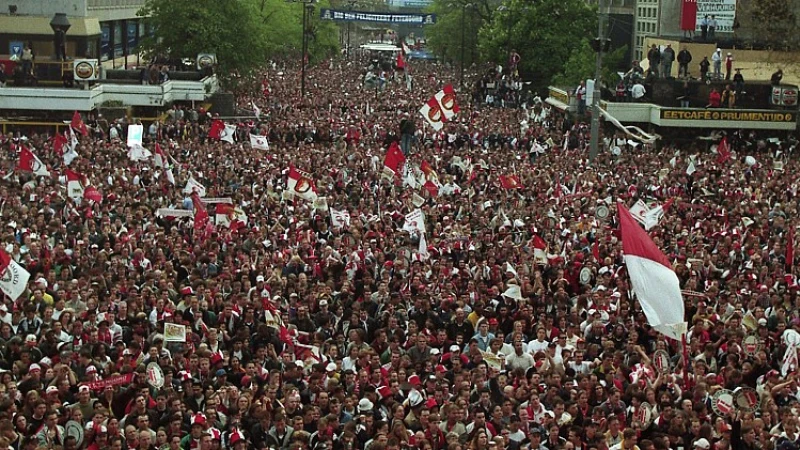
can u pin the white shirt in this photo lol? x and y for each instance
(638, 91)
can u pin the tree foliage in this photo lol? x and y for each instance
(444, 38)
(776, 22)
(581, 65)
(242, 33)
(544, 33)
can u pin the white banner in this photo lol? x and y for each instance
(135, 134)
(217, 200)
(724, 12)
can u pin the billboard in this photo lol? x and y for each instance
(723, 10)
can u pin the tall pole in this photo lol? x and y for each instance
(303, 56)
(594, 143)
(463, 26)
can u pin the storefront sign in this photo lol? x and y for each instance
(729, 114)
(361, 16)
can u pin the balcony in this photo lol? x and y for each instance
(114, 4)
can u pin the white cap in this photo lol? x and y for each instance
(702, 443)
(259, 278)
(331, 367)
(364, 405)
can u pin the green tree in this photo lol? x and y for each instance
(242, 33)
(544, 33)
(444, 37)
(581, 65)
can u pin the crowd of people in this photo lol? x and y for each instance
(512, 326)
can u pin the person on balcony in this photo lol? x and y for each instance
(714, 99)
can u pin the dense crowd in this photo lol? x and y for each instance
(305, 335)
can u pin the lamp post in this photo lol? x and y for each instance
(60, 25)
(601, 45)
(308, 7)
(350, 6)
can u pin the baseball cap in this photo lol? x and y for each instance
(454, 348)
(323, 303)
(51, 390)
(331, 367)
(702, 443)
(35, 367)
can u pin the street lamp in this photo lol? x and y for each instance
(60, 25)
(308, 8)
(350, 5)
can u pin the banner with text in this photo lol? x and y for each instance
(363, 16)
(724, 12)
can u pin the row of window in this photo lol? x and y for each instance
(646, 27)
(647, 12)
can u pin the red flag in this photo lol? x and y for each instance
(689, 15)
(78, 125)
(431, 187)
(394, 160)
(91, 193)
(790, 250)
(723, 151)
(510, 182)
(59, 141)
(401, 63)
(596, 249)
(200, 212)
(216, 130)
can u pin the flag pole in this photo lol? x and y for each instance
(685, 362)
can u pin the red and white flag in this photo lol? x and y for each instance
(394, 160)
(259, 142)
(654, 282)
(28, 162)
(447, 100)
(193, 186)
(70, 154)
(433, 114)
(301, 185)
(13, 277)
(510, 182)
(78, 125)
(230, 216)
(74, 184)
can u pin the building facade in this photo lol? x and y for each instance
(103, 29)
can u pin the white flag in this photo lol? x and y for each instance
(257, 111)
(170, 176)
(422, 252)
(138, 153)
(511, 269)
(14, 278)
(193, 186)
(259, 142)
(639, 211)
(414, 222)
(227, 133)
(691, 169)
(340, 218)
